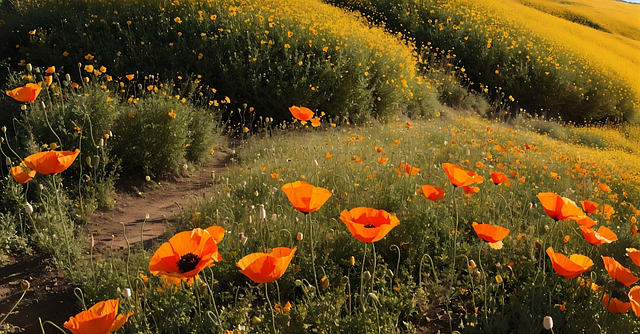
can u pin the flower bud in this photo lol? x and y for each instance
(366, 275)
(263, 212)
(28, 208)
(148, 178)
(29, 67)
(25, 285)
(389, 272)
(126, 293)
(79, 65)
(298, 283)
(315, 163)
(324, 282)
(4, 129)
(243, 239)
(472, 264)
(23, 107)
(101, 142)
(185, 167)
(255, 321)
(299, 236)
(274, 217)
(499, 279)
(44, 106)
(547, 322)
(67, 77)
(352, 261)
(7, 160)
(146, 216)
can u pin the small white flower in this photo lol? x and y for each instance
(28, 208)
(126, 293)
(263, 212)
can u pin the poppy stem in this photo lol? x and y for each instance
(362, 278)
(313, 255)
(14, 306)
(51, 323)
(373, 272)
(273, 317)
(484, 278)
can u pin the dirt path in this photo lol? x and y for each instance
(51, 295)
(161, 200)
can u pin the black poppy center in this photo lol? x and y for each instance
(188, 262)
(369, 226)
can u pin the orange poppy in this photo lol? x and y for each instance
(460, 177)
(493, 234)
(265, 268)
(471, 190)
(569, 267)
(51, 70)
(634, 254)
(498, 177)
(603, 236)
(367, 224)
(305, 197)
(315, 122)
(27, 93)
(619, 272)
(22, 174)
(409, 125)
(634, 230)
(432, 193)
(129, 76)
(101, 318)
(606, 210)
(51, 162)
(604, 187)
(586, 222)
(589, 206)
(382, 160)
(615, 305)
(48, 79)
(187, 253)
(634, 299)
(406, 169)
(301, 113)
(560, 208)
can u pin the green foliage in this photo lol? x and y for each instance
(270, 55)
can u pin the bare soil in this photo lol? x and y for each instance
(51, 294)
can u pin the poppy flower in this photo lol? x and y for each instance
(460, 177)
(586, 222)
(634, 230)
(48, 79)
(634, 254)
(406, 169)
(315, 122)
(604, 187)
(619, 272)
(382, 160)
(367, 224)
(22, 174)
(265, 268)
(471, 190)
(589, 206)
(186, 254)
(409, 125)
(129, 76)
(603, 236)
(634, 299)
(51, 162)
(569, 267)
(301, 113)
(498, 177)
(606, 210)
(51, 69)
(493, 234)
(27, 93)
(101, 318)
(615, 305)
(305, 197)
(560, 208)
(432, 193)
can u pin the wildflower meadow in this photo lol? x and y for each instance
(390, 167)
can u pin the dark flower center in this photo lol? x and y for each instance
(369, 226)
(188, 262)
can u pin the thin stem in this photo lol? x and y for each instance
(50, 323)
(64, 225)
(14, 307)
(362, 278)
(313, 255)
(373, 273)
(273, 317)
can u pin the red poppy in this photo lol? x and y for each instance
(406, 169)
(493, 234)
(634, 299)
(589, 206)
(265, 268)
(186, 254)
(51, 162)
(603, 236)
(498, 177)
(619, 272)
(305, 197)
(367, 224)
(615, 305)
(569, 267)
(432, 193)
(460, 177)
(22, 174)
(301, 113)
(560, 208)
(634, 254)
(27, 93)
(101, 318)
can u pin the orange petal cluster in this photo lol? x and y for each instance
(301, 113)
(569, 267)
(265, 268)
(560, 208)
(618, 271)
(460, 177)
(432, 193)
(101, 318)
(305, 197)
(367, 224)
(27, 93)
